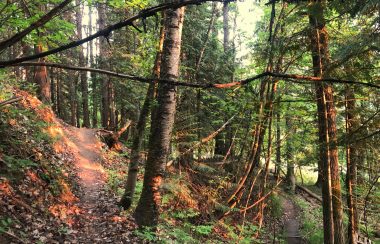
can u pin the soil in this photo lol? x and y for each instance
(100, 220)
(291, 222)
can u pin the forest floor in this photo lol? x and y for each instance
(101, 220)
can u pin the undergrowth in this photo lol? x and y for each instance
(311, 226)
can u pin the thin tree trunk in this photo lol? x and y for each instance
(290, 177)
(94, 86)
(105, 112)
(278, 143)
(82, 62)
(147, 211)
(226, 28)
(351, 159)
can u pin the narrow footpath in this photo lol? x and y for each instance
(291, 222)
(100, 220)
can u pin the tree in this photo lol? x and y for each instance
(147, 210)
(136, 156)
(331, 192)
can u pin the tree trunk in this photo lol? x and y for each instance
(94, 115)
(41, 78)
(136, 156)
(53, 88)
(278, 143)
(82, 63)
(73, 102)
(290, 177)
(105, 112)
(147, 211)
(331, 192)
(352, 158)
(226, 28)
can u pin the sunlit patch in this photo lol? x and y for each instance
(118, 219)
(65, 213)
(54, 131)
(67, 195)
(33, 176)
(5, 188)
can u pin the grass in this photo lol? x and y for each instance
(311, 226)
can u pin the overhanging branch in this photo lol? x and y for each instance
(40, 22)
(106, 32)
(199, 85)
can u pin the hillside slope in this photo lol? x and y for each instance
(52, 183)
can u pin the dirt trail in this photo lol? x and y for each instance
(291, 222)
(100, 220)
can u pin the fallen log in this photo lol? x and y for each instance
(310, 193)
(111, 138)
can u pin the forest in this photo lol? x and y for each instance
(190, 121)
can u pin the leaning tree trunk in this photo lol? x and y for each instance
(136, 156)
(331, 190)
(147, 211)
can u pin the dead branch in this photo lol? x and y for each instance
(204, 140)
(111, 138)
(233, 84)
(310, 193)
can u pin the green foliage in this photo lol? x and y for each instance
(5, 223)
(311, 229)
(15, 164)
(146, 233)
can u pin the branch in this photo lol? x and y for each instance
(10, 101)
(106, 31)
(40, 22)
(199, 85)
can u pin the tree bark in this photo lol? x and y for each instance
(147, 211)
(278, 143)
(94, 87)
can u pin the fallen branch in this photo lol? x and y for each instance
(14, 236)
(310, 193)
(111, 138)
(204, 140)
(10, 101)
(194, 84)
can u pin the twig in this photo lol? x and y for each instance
(14, 236)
